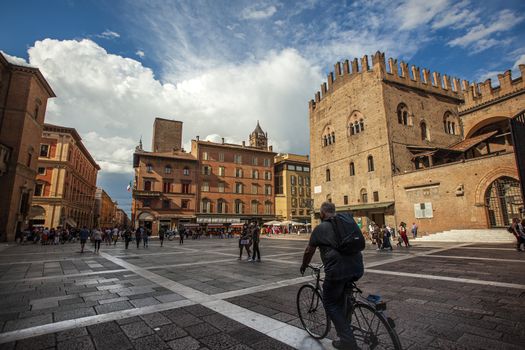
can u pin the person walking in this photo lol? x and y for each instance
(162, 232)
(127, 237)
(182, 232)
(386, 238)
(244, 243)
(403, 233)
(138, 236)
(377, 235)
(414, 230)
(256, 231)
(145, 236)
(521, 231)
(84, 235)
(515, 230)
(340, 269)
(97, 237)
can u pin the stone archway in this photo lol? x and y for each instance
(503, 200)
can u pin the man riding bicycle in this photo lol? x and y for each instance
(340, 269)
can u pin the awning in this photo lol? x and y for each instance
(71, 222)
(146, 217)
(368, 206)
(237, 225)
(191, 225)
(273, 223)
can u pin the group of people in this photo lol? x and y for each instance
(381, 236)
(46, 236)
(250, 237)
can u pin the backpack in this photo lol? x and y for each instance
(349, 236)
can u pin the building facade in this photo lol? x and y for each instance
(65, 187)
(293, 201)
(105, 210)
(23, 99)
(394, 144)
(165, 184)
(235, 181)
(122, 218)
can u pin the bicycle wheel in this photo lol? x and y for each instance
(311, 312)
(372, 330)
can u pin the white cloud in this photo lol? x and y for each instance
(479, 35)
(113, 100)
(109, 34)
(413, 13)
(520, 60)
(19, 61)
(257, 12)
(140, 53)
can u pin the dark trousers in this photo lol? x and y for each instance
(334, 299)
(138, 242)
(181, 239)
(127, 243)
(256, 251)
(97, 245)
(242, 246)
(161, 241)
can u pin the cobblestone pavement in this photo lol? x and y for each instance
(199, 296)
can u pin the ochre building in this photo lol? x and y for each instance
(23, 99)
(64, 194)
(105, 210)
(292, 187)
(394, 143)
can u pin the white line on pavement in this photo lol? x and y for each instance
(59, 277)
(473, 258)
(450, 279)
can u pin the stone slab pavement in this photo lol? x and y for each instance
(199, 296)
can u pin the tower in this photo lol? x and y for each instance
(258, 138)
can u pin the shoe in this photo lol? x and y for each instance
(338, 344)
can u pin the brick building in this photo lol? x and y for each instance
(165, 184)
(391, 144)
(105, 210)
(23, 99)
(66, 182)
(292, 187)
(122, 218)
(235, 181)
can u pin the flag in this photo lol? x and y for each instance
(129, 187)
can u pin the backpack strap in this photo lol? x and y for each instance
(333, 221)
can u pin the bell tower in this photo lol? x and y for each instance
(258, 138)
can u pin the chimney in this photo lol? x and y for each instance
(270, 148)
(197, 137)
(244, 144)
(223, 140)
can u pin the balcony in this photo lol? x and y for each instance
(146, 194)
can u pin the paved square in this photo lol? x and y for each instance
(199, 296)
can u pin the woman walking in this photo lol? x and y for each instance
(244, 243)
(403, 233)
(386, 238)
(97, 237)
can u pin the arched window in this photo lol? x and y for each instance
(221, 206)
(328, 137)
(424, 131)
(327, 174)
(450, 123)
(364, 196)
(267, 208)
(167, 169)
(239, 208)
(356, 123)
(149, 168)
(403, 114)
(352, 169)
(186, 171)
(255, 207)
(205, 206)
(370, 163)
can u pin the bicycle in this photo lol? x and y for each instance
(371, 327)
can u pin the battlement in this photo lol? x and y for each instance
(482, 93)
(421, 79)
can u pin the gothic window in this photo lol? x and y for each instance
(403, 114)
(370, 163)
(450, 124)
(356, 123)
(327, 175)
(424, 131)
(352, 169)
(328, 137)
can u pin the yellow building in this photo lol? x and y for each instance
(292, 187)
(105, 210)
(66, 180)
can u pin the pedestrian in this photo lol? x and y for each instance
(182, 232)
(515, 230)
(161, 236)
(377, 236)
(386, 238)
(108, 236)
(414, 230)
(244, 243)
(116, 233)
(145, 236)
(127, 237)
(84, 235)
(403, 233)
(521, 228)
(138, 236)
(97, 237)
(256, 231)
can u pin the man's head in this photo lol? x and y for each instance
(327, 210)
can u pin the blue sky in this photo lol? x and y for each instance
(219, 66)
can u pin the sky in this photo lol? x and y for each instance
(221, 65)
